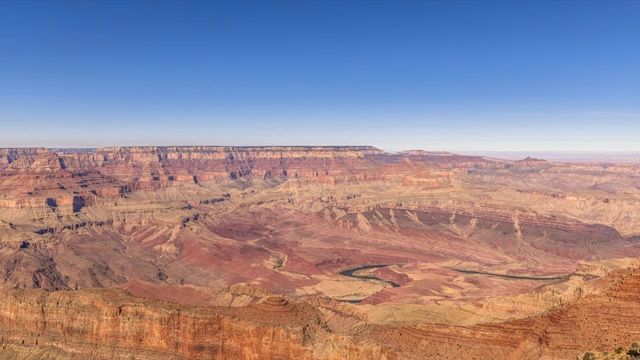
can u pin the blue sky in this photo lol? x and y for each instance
(456, 76)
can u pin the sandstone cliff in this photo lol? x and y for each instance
(112, 323)
(105, 324)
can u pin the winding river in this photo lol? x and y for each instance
(351, 273)
(515, 277)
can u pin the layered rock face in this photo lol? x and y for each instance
(466, 240)
(237, 161)
(110, 323)
(7, 156)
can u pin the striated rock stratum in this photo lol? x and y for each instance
(314, 253)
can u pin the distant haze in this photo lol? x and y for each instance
(454, 76)
(562, 156)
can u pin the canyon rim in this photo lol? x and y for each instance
(243, 252)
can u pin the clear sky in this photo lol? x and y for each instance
(455, 76)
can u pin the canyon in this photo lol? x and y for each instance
(294, 252)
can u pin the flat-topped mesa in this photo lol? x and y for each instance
(22, 151)
(425, 153)
(530, 160)
(234, 152)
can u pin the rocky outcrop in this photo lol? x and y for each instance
(111, 323)
(9, 155)
(429, 180)
(388, 274)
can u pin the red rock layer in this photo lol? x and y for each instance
(111, 323)
(600, 322)
(39, 179)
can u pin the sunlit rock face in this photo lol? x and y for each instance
(200, 252)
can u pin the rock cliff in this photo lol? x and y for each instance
(105, 324)
(112, 323)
